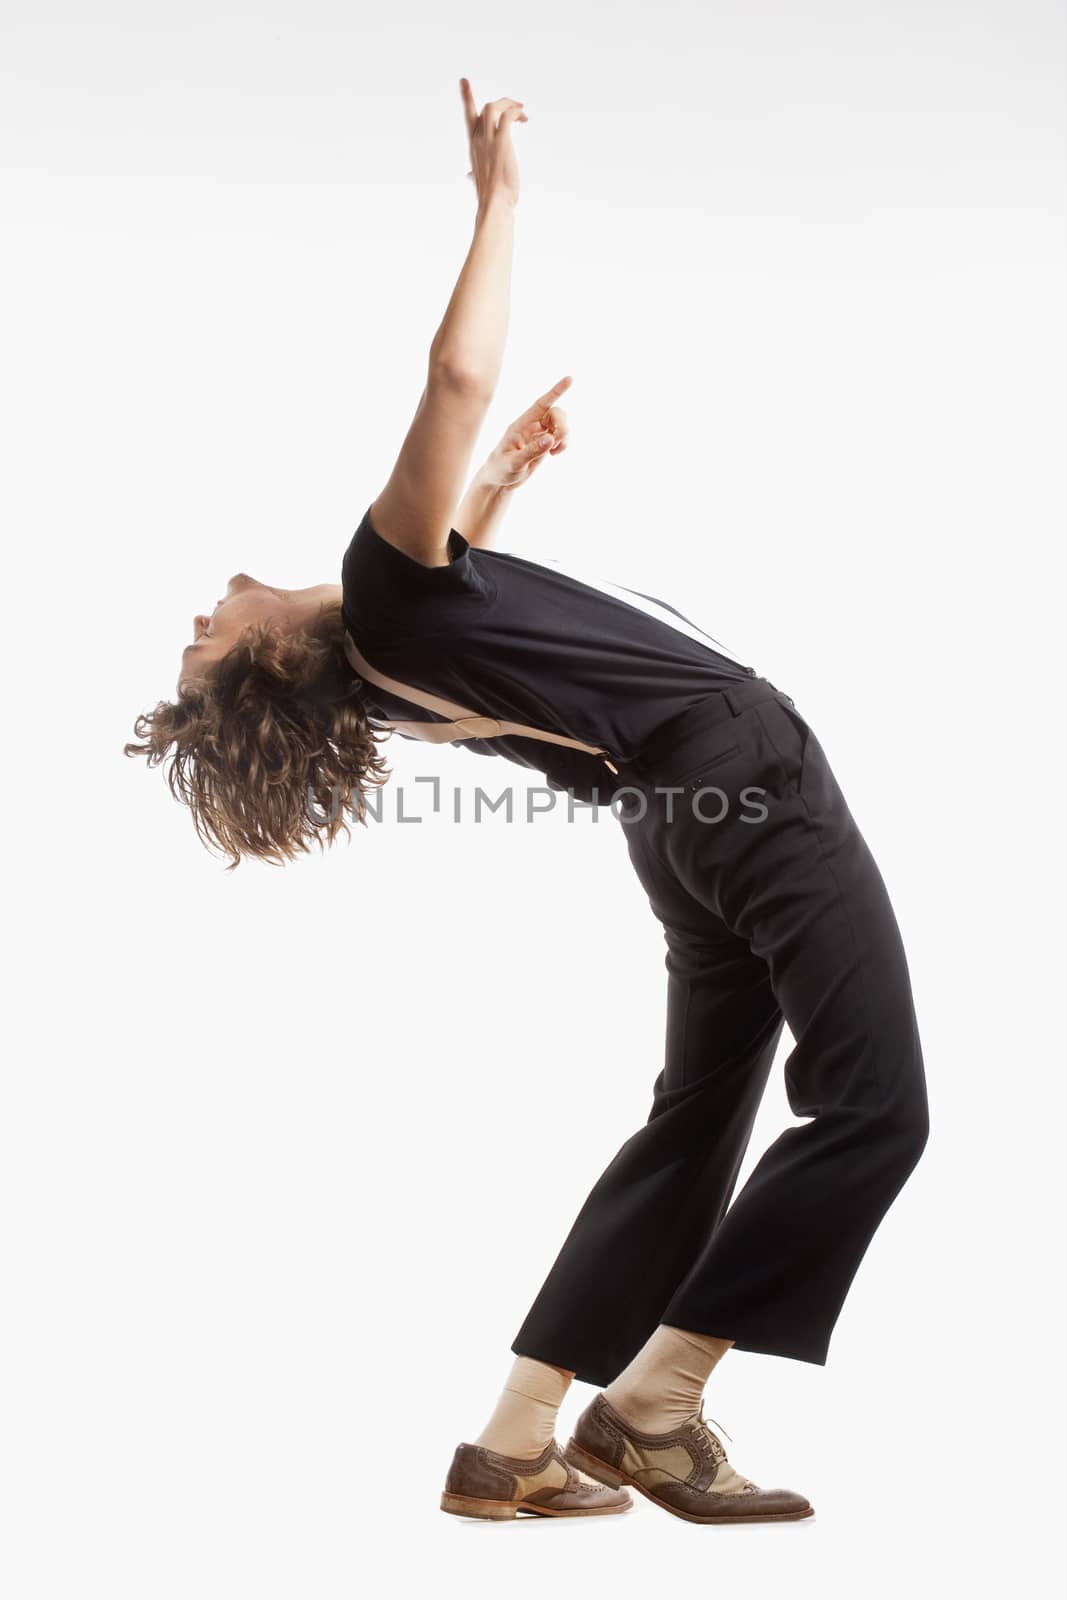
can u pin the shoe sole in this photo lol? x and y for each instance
(615, 1479)
(464, 1505)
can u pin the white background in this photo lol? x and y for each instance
(261, 1132)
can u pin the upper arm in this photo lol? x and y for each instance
(415, 509)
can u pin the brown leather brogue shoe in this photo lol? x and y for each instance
(481, 1483)
(684, 1471)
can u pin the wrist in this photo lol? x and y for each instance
(485, 484)
(497, 204)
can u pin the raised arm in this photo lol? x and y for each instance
(416, 508)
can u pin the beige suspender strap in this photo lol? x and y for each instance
(465, 724)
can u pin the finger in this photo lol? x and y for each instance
(509, 115)
(493, 109)
(470, 109)
(542, 404)
(538, 446)
(556, 421)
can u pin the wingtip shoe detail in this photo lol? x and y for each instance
(685, 1471)
(481, 1483)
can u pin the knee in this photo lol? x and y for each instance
(898, 1121)
(919, 1130)
(909, 1129)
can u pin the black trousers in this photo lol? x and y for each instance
(773, 910)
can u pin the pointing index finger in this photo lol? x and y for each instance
(469, 107)
(548, 397)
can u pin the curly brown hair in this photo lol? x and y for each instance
(277, 728)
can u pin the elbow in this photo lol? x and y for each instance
(459, 378)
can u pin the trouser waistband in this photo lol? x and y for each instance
(719, 706)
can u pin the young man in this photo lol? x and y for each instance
(772, 907)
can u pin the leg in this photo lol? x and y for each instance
(664, 1383)
(803, 890)
(650, 1215)
(524, 1418)
(786, 914)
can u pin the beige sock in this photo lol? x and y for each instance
(664, 1383)
(525, 1417)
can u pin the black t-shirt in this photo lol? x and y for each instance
(530, 641)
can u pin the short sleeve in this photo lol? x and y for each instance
(386, 591)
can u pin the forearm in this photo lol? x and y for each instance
(481, 509)
(469, 344)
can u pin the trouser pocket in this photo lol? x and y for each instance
(693, 774)
(788, 734)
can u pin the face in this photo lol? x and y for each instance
(247, 601)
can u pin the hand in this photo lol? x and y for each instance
(494, 168)
(541, 431)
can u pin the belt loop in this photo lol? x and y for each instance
(749, 694)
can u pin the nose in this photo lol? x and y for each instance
(200, 622)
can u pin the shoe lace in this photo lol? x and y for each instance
(702, 1422)
(714, 1446)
